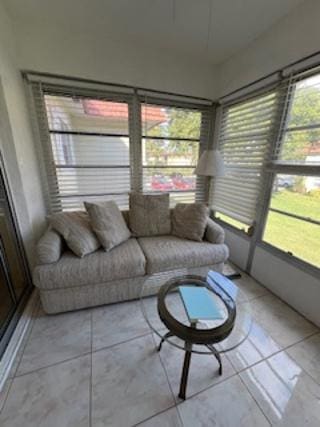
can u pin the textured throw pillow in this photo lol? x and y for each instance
(76, 230)
(149, 214)
(108, 223)
(49, 247)
(189, 221)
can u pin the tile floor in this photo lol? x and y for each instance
(99, 367)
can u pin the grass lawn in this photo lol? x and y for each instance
(300, 238)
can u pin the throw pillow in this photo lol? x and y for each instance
(76, 230)
(49, 247)
(189, 221)
(108, 223)
(149, 214)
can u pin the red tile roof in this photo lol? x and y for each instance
(119, 110)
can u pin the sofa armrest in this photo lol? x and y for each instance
(49, 247)
(214, 232)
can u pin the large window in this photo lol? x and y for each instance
(170, 150)
(102, 145)
(293, 221)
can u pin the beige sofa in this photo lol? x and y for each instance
(107, 277)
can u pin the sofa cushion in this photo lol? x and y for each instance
(124, 261)
(108, 223)
(189, 220)
(149, 214)
(165, 253)
(49, 247)
(76, 230)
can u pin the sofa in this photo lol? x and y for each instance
(102, 277)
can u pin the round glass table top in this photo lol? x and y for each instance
(204, 310)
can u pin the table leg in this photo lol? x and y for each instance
(167, 335)
(185, 371)
(216, 355)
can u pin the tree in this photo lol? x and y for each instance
(180, 123)
(305, 110)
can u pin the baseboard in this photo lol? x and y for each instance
(16, 340)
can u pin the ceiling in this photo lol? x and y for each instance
(211, 30)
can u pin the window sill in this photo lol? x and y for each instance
(230, 227)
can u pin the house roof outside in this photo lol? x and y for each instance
(152, 115)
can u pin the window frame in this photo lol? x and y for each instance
(277, 166)
(200, 190)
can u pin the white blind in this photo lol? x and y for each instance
(244, 139)
(86, 146)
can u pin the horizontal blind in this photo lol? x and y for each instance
(298, 142)
(85, 144)
(245, 133)
(172, 138)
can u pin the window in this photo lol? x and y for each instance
(98, 145)
(293, 223)
(90, 148)
(246, 129)
(170, 150)
(293, 220)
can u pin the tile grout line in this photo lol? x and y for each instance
(271, 355)
(167, 377)
(266, 360)
(154, 416)
(255, 400)
(69, 359)
(79, 355)
(206, 389)
(247, 368)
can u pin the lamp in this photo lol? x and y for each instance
(210, 164)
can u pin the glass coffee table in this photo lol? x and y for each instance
(197, 314)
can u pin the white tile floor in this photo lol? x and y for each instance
(99, 367)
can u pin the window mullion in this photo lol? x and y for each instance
(135, 132)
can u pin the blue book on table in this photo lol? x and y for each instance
(223, 282)
(199, 303)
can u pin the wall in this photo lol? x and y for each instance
(290, 39)
(90, 56)
(239, 248)
(298, 288)
(17, 141)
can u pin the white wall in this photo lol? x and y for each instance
(298, 288)
(90, 56)
(17, 141)
(239, 248)
(290, 39)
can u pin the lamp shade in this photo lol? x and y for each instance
(210, 164)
